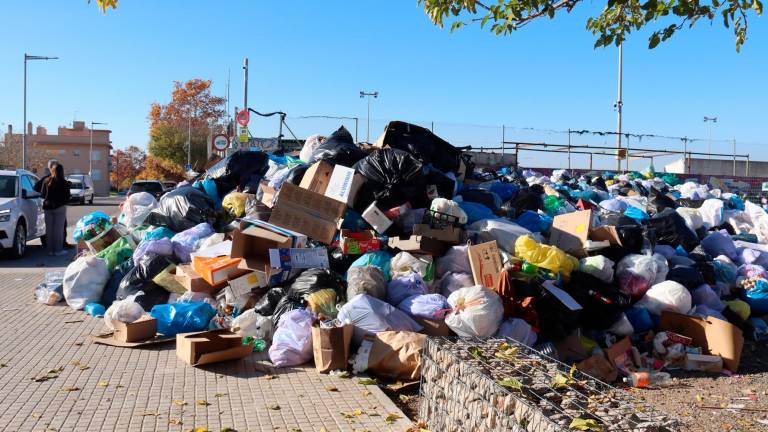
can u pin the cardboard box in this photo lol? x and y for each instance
(330, 347)
(485, 262)
(245, 284)
(317, 177)
(344, 184)
(216, 270)
(714, 336)
(419, 245)
(142, 329)
(450, 235)
(307, 212)
(358, 243)
(432, 327)
(268, 194)
(570, 232)
(103, 240)
(192, 281)
(253, 241)
(376, 218)
(206, 347)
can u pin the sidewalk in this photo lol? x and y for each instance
(108, 388)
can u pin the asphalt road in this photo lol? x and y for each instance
(37, 260)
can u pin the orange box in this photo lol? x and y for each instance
(216, 270)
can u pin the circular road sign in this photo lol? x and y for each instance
(220, 142)
(243, 117)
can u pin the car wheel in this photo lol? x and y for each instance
(19, 242)
(91, 201)
(82, 201)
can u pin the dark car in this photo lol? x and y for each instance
(154, 187)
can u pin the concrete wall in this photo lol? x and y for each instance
(719, 167)
(483, 159)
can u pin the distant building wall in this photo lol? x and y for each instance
(718, 167)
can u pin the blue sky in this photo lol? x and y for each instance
(313, 57)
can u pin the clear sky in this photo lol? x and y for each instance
(313, 58)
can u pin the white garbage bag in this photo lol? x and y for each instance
(292, 343)
(518, 330)
(666, 296)
(449, 207)
(455, 260)
(455, 281)
(711, 211)
(598, 266)
(476, 311)
(84, 281)
(691, 216)
(249, 323)
(137, 207)
(759, 219)
(126, 310)
(371, 315)
(505, 232)
(312, 143)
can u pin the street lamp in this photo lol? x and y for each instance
(90, 152)
(710, 120)
(368, 129)
(28, 57)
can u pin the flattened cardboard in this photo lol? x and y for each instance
(618, 351)
(103, 240)
(252, 243)
(330, 347)
(107, 339)
(606, 233)
(191, 281)
(432, 327)
(245, 284)
(206, 347)
(450, 235)
(714, 336)
(571, 231)
(485, 262)
(307, 212)
(419, 245)
(344, 184)
(268, 194)
(142, 329)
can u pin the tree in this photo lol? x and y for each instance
(192, 107)
(160, 169)
(37, 157)
(616, 21)
(127, 164)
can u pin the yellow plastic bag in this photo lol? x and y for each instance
(323, 302)
(234, 203)
(545, 256)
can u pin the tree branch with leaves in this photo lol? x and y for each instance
(618, 19)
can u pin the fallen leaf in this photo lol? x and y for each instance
(202, 402)
(177, 422)
(368, 381)
(79, 365)
(560, 381)
(585, 425)
(699, 398)
(344, 375)
(477, 353)
(179, 402)
(199, 429)
(512, 383)
(331, 389)
(270, 377)
(295, 429)
(119, 386)
(405, 398)
(227, 429)
(274, 407)
(366, 393)
(151, 413)
(70, 389)
(391, 418)
(323, 429)
(102, 384)
(78, 344)
(218, 395)
(2, 365)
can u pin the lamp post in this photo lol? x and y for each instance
(710, 120)
(619, 105)
(368, 128)
(90, 152)
(28, 57)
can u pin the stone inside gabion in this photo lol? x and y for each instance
(482, 385)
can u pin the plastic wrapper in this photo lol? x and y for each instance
(518, 330)
(162, 247)
(187, 241)
(51, 289)
(235, 203)
(666, 296)
(449, 207)
(380, 259)
(339, 149)
(544, 256)
(84, 281)
(182, 317)
(310, 144)
(404, 263)
(140, 278)
(598, 266)
(475, 312)
(126, 310)
(720, 243)
(393, 177)
(182, 209)
(242, 170)
(635, 274)
(91, 225)
(403, 286)
(250, 323)
(366, 280)
(454, 281)
(322, 303)
(428, 306)
(316, 279)
(292, 341)
(505, 232)
(455, 260)
(370, 316)
(137, 207)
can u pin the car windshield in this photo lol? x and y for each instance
(75, 184)
(151, 187)
(8, 186)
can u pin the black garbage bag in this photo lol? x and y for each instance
(599, 182)
(439, 182)
(315, 279)
(670, 229)
(338, 149)
(423, 145)
(110, 290)
(603, 303)
(242, 170)
(284, 305)
(556, 321)
(393, 177)
(691, 203)
(698, 254)
(266, 305)
(525, 199)
(689, 277)
(296, 174)
(339, 261)
(182, 209)
(484, 197)
(659, 201)
(140, 278)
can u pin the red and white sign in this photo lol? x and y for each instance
(220, 142)
(243, 117)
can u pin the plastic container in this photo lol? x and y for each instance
(646, 379)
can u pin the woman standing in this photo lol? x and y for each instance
(55, 192)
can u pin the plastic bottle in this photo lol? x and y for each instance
(645, 379)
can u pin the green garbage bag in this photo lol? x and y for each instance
(552, 204)
(117, 253)
(670, 179)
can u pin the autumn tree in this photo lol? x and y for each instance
(192, 108)
(126, 166)
(11, 154)
(160, 169)
(615, 22)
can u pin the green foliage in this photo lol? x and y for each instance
(617, 20)
(170, 143)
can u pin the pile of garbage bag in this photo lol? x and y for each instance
(348, 254)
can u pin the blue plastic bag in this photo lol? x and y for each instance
(757, 297)
(636, 214)
(210, 189)
(182, 317)
(380, 259)
(90, 218)
(505, 191)
(476, 212)
(534, 221)
(402, 287)
(640, 319)
(158, 233)
(95, 310)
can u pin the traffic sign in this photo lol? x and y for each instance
(243, 137)
(220, 142)
(188, 167)
(243, 117)
(765, 187)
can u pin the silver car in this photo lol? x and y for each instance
(21, 211)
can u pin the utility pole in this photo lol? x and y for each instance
(375, 95)
(28, 57)
(189, 139)
(710, 120)
(245, 86)
(90, 152)
(618, 106)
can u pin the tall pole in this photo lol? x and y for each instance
(619, 104)
(189, 138)
(24, 132)
(710, 120)
(734, 156)
(245, 86)
(569, 149)
(363, 94)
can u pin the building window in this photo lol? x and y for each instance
(62, 152)
(76, 152)
(96, 155)
(96, 175)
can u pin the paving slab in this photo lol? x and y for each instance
(104, 388)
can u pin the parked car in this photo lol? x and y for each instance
(21, 211)
(81, 188)
(154, 187)
(169, 185)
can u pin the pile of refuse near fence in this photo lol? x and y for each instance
(350, 256)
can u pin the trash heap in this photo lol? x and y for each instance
(351, 256)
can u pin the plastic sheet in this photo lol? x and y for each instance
(424, 145)
(84, 281)
(475, 311)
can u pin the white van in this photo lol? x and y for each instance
(81, 188)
